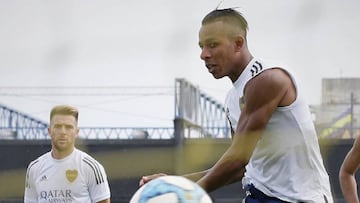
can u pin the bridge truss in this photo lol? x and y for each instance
(199, 115)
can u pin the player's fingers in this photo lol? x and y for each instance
(143, 180)
(148, 178)
(157, 175)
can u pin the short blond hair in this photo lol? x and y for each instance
(64, 110)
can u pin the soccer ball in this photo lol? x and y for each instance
(170, 189)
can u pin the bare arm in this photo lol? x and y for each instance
(347, 172)
(263, 95)
(192, 176)
(104, 201)
(196, 176)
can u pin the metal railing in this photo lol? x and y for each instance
(14, 124)
(199, 109)
(113, 133)
(41, 133)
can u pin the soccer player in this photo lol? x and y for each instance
(65, 174)
(347, 172)
(274, 149)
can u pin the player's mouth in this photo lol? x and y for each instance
(211, 67)
(63, 140)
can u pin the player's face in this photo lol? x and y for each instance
(217, 49)
(63, 131)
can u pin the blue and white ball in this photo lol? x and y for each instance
(171, 189)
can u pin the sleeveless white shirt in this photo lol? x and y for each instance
(286, 162)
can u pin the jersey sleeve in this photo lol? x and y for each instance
(30, 191)
(97, 180)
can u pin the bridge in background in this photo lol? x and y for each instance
(196, 115)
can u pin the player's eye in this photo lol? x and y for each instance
(212, 45)
(69, 127)
(201, 46)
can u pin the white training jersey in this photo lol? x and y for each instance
(78, 178)
(286, 162)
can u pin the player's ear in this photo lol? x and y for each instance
(239, 42)
(49, 131)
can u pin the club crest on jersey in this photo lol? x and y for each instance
(71, 175)
(242, 103)
(256, 68)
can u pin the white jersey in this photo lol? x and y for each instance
(286, 162)
(78, 178)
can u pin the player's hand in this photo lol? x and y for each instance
(146, 179)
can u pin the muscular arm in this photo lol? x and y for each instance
(263, 95)
(196, 176)
(104, 201)
(347, 173)
(192, 176)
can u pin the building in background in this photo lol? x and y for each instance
(338, 116)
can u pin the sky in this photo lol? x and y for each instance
(117, 61)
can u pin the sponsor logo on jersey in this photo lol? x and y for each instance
(256, 69)
(43, 178)
(242, 103)
(56, 195)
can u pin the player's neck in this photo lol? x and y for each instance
(60, 154)
(239, 67)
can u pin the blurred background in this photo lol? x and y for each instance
(110, 58)
(133, 69)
